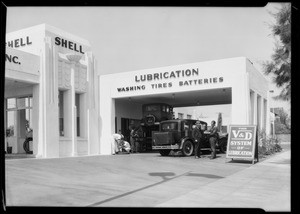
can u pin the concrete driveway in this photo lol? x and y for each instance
(134, 180)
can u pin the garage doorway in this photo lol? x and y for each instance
(130, 107)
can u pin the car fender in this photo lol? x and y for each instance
(183, 140)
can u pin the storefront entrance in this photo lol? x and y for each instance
(18, 124)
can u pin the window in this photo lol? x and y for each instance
(77, 103)
(11, 103)
(180, 116)
(10, 123)
(167, 109)
(152, 108)
(169, 126)
(61, 112)
(19, 103)
(28, 116)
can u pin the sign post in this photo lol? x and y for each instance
(242, 142)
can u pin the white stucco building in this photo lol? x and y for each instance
(228, 81)
(54, 73)
(51, 80)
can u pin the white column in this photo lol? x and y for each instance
(240, 101)
(251, 106)
(36, 114)
(258, 118)
(248, 99)
(93, 111)
(51, 100)
(73, 111)
(41, 106)
(265, 115)
(107, 115)
(268, 123)
(254, 108)
(73, 58)
(261, 113)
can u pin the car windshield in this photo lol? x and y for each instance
(152, 108)
(169, 126)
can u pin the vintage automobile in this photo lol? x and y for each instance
(153, 114)
(177, 135)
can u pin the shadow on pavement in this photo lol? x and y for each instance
(286, 161)
(242, 161)
(18, 156)
(163, 174)
(204, 175)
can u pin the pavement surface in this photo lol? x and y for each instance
(264, 185)
(149, 180)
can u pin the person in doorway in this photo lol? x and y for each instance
(132, 131)
(116, 140)
(28, 132)
(213, 134)
(125, 147)
(197, 135)
(137, 134)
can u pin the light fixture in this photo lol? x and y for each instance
(129, 99)
(73, 57)
(173, 96)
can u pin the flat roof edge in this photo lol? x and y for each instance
(47, 27)
(242, 58)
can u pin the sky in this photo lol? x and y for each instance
(133, 38)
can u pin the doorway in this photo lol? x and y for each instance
(18, 125)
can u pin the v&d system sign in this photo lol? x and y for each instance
(241, 141)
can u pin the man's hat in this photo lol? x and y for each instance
(198, 122)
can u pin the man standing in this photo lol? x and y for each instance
(213, 139)
(138, 133)
(132, 139)
(197, 135)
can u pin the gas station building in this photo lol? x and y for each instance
(53, 84)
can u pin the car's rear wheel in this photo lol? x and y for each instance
(223, 145)
(187, 148)
(164, 152)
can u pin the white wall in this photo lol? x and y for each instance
(259, 101)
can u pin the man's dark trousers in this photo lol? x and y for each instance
(212, 141)
(198, 148)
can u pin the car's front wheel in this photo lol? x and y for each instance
(187, 148)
